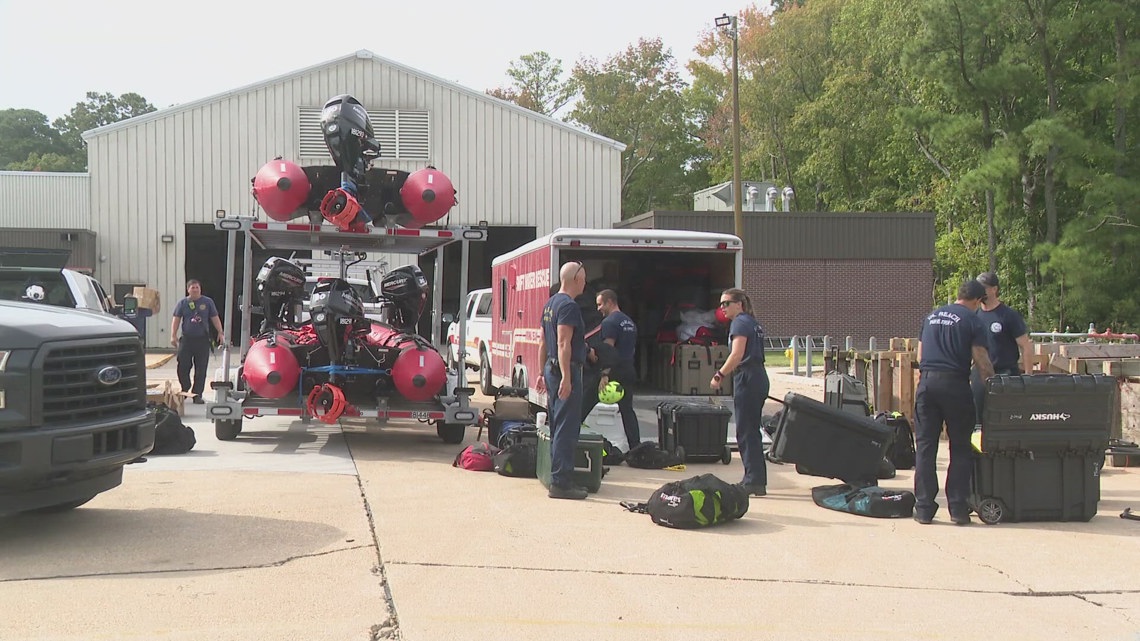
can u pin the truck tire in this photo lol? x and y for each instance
(485, 384)
(451, 433)
(226, 429)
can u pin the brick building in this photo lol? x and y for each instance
(837, 274)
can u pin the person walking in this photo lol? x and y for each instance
(745, 363)
(562, 347)
(952, 337)
(1009, 346)
(619, 332)
(194, 314)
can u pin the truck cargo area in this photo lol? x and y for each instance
(656, 289)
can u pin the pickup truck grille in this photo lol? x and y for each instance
(73, 391)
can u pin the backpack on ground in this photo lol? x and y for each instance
(700, 501)
(478, 457)
(901, 450)
(519, 459)
(611, 455)
(871, 500)
(171, 436)
(648, 456)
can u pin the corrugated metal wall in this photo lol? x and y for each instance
(834, 235)
(154, 174)
(80, 242)
(44, 199)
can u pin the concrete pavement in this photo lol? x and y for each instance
(295, 532)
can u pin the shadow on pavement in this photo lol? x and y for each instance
(91, 542)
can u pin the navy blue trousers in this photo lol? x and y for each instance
(943, 397)
(750, 389)
(565, 417)
(193, 352)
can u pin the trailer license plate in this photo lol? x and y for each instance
(421, 414)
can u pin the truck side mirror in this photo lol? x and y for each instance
(448, 319)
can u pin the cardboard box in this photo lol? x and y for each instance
(148, 298)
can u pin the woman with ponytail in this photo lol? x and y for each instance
(750, 385)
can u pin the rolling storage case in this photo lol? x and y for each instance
(1042, 447)
(694, 431)
(847, 393)
(1055, 486)
(830, 442)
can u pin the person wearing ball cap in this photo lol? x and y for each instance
(1009, 344)
(951, 338)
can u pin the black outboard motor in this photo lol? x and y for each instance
(279, 286)
(406, 289)
(337, 314)
(348, 136)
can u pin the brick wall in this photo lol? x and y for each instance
(857, 298)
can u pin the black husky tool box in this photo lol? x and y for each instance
(1042, 447)
(1050, 486)
(694, 431)
(830, 442)
(1048, 412)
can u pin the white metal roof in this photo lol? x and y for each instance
(627, 238)
(363, 54)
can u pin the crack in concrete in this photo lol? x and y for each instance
(961, 557)
(1121, 611)
(389, 629)
(822, 582)
(216, 568)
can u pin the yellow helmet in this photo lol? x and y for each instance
(611, 393)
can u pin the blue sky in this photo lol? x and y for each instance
(53, 51)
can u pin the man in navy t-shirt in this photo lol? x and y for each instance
(562, 348)
(194, 314)
(1009, 343)
(951, 338)
(620, 332)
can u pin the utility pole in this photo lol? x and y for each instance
(737, 186)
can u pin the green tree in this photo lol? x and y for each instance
(538, 84)
(48, 162)
(97, 110)
(637, 97)
(24, 132)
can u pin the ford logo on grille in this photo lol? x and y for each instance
(109, 375)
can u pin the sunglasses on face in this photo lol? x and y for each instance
(726, 303)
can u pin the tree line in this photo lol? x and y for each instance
(28, 142)
(1014, 121)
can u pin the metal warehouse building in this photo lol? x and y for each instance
(156, 181)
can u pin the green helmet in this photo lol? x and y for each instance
(611, 393)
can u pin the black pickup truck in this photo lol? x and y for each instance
(72, 405)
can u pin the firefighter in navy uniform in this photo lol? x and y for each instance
(952, 337)
(750, 386)
(1010, 346)
(562, 347)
